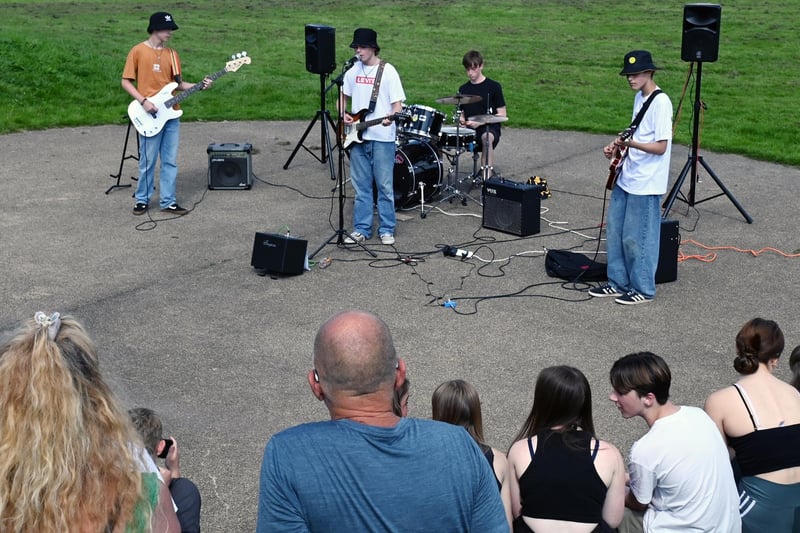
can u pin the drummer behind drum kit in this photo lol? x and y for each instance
(422, 141)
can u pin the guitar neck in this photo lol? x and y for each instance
(183, 95)
(368, 124)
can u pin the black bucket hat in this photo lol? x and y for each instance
(161, 21)
(637, 61)
(366, 38)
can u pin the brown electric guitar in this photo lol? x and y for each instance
(620, 152)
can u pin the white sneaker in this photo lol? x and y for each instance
(387, 238)
(354, 238)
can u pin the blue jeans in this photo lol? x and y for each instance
(373, 162)
(165, 145)
(633, 233)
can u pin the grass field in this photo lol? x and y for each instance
(558, 61)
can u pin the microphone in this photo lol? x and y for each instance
(350, 62)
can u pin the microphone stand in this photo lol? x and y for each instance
(338, 237)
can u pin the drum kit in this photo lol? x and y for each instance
(422, 144)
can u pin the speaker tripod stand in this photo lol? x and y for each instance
(323, 116)
(690, 168)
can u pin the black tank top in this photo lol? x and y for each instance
(561, 482)
(766, 450)
(489, 454)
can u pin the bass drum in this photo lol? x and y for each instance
(415, 163)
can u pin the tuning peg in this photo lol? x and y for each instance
(244, 54)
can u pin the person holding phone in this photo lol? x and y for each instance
(185, 494)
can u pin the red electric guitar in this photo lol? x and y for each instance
(620, 152)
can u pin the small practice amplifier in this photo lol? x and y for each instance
(230, 166)
(511, 207)
(667, 269)
(278, 254)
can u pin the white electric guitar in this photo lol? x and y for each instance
(149, 124)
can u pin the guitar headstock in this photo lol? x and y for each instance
(236, 62)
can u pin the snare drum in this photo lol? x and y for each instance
(452, 137)
(422, 121)
(416, 162)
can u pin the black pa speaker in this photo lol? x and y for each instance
(278, 254)
(230, 166)
(320, 49)
(701, 32)
(667, 269)
(511, 207)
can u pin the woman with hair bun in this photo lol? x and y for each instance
(68, 453)
(759, 417)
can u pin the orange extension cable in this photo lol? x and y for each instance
(709, 257)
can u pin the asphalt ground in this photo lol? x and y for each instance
(187, 327)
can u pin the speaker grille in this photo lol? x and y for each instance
(502, 215)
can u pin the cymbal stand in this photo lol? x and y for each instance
(486, 156)
(451, 190)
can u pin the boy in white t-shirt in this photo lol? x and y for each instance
(633, 222)
(680, 472)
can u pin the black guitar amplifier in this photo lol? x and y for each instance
(511, 207)
(230, 166)
(667, 269)
(278, 254)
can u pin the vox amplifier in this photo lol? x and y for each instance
(511, 207)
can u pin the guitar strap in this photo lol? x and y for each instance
(376, 86)
(176, 72)
(643, 110)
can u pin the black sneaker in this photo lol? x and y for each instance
(140, 208)
(633, 298)
(603, 291)
(175, 209)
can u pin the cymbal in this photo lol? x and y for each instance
(487, 119)
(458, 99)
